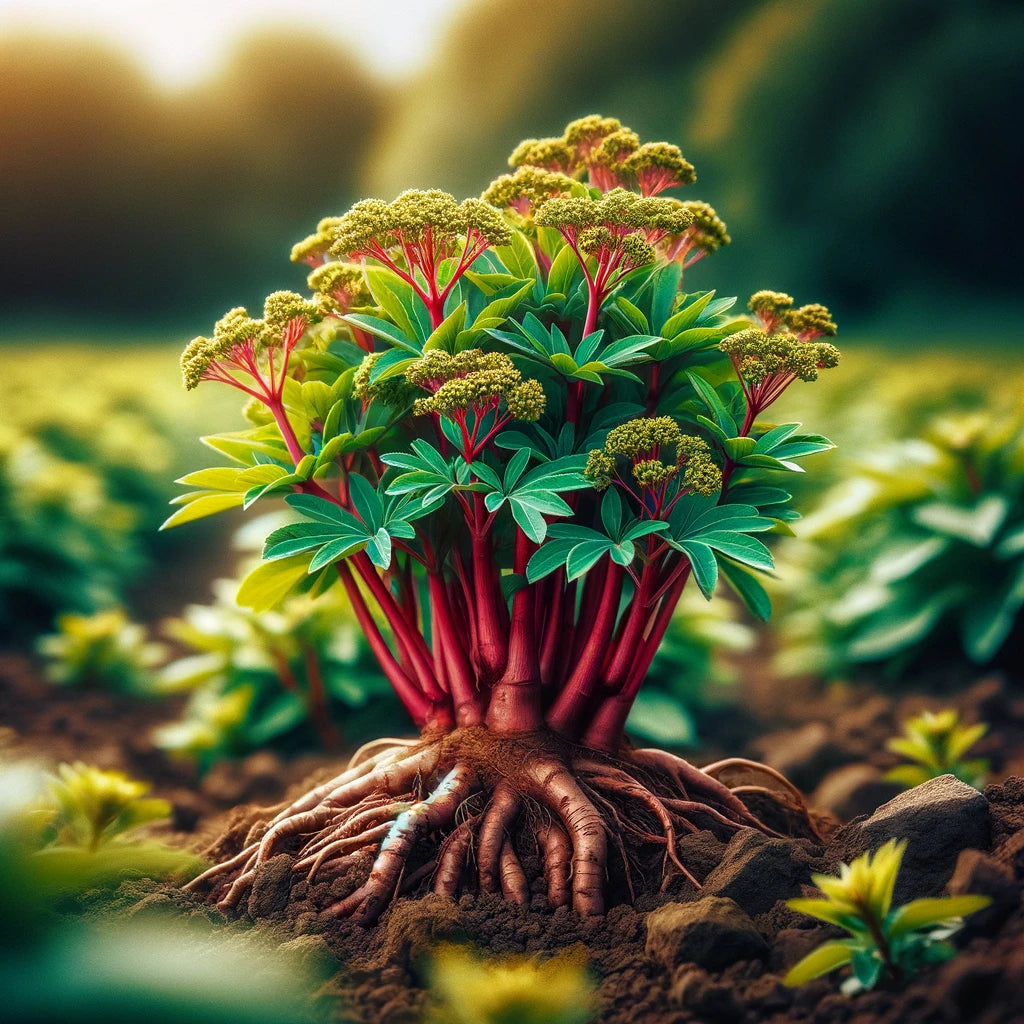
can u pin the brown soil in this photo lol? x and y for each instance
(383, 977)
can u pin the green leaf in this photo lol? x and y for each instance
(518, 257)
(443, 337)
(226, 478)
(711, 399)
(208, 505)
(924, 912)
(636, 318)
(611, 513)
(774, 437)
(687, 316)
(824, 959)
(563, 269)
(271, 582)
(661, 719)
(705, 566)
(382, 329)
(748, 550)
(366, 502)
(825, 910)
(336, 550)
(748, 588)
(867, 967)
(322, 510)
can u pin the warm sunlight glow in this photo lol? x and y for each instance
(182, 41)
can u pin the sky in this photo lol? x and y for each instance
(180, 42)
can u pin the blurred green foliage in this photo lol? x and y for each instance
(468, 989)
(919, 553)
(935, 744)
(60, 963)
(835, 137)
(87, 442)
(293, 678)
(697, 653)
(830, 153)
(168, 205)
(101, 650)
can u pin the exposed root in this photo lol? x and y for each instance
(460, 812)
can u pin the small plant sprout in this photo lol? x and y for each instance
(512, 990)
(512, 440)
(936, 743)
(886, 944)
(96, 806)
(101, 650)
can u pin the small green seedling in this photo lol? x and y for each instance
(512, 990)
(101, 650)
(937, 743)
(885, 943)
(96, 806)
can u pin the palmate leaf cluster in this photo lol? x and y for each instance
(530, 468)
(886, 943)
(926, 553)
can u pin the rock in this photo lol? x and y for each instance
(938, 819)
(853, 790)
(978, 874)
(757, 871)
(271, 887)
(711, 932)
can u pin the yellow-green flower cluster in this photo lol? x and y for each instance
(619, 221)
(610, 154)
(238, 336)
(474, 379)
(395, 391)
(414, 218)
(775, 309)
(548, 154)
(282, 308)
(313, 248)
(656, 451)
(707, 231)
(758, 355)
(339, 286)
(526, 189)
(659, 165)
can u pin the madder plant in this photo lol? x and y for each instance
(519, 438)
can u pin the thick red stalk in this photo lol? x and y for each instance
(576, 696)
(624, 651)
(515, 704)
(448, 645)
(492, 640)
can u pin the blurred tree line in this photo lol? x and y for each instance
(861, 151)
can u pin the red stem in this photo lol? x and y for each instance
(414, 700)
(515, 704)
(576, 696)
